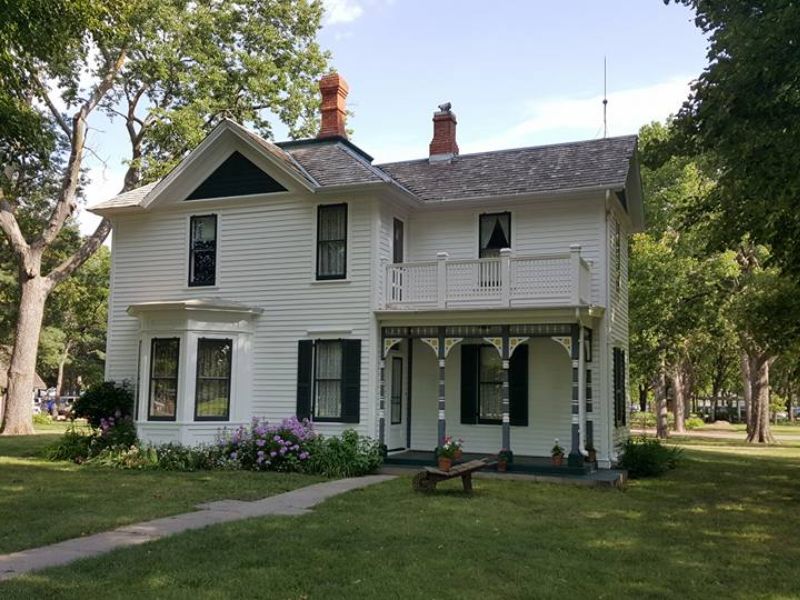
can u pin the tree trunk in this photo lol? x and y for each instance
(759, 428)
(18, 418)
(789, 404)
(678, 390)
(62, 362)
(642, 397)
(660, 390)
(747, 390)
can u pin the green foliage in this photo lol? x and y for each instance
(74, 446)
(164, 457)
(648, 457)
(745, 110)
(348, 455)
(41, 419)
(103, 401)
(694, 422)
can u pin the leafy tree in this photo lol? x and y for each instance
(165, 72)
(745, 108)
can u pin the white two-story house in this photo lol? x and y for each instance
(482, 296)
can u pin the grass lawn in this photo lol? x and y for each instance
(723, 525)
(43, 502)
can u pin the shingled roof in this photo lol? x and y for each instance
(601, 163)
(536, 169)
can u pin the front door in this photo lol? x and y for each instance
(397, 403)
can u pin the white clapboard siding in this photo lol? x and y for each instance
(539, 227)
(549, 402)
(266, 256)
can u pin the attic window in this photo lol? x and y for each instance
(495, 234)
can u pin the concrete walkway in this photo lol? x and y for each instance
(296, 502)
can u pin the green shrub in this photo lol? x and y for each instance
(694, 422)
(348, 455)
(104, 401)
(74, 445)
(42, 419)
(648, 457)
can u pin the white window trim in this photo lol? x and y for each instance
(348, 244)
(187, 250)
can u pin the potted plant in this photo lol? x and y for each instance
(504, 458)
(446, 453)
(557, 454)
(591, 454)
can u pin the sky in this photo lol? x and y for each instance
(518, 73)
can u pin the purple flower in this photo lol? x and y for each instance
(276, 438)
(234, 455)
(303, 455)
(273, 454)
(260, 443)
(282, 450)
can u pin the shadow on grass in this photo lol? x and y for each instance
(720, 525)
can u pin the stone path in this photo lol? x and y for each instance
(296, 502)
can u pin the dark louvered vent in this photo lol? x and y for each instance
(237, 176)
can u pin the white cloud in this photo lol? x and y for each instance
(105, 183)
(342, 11)
(563, 119)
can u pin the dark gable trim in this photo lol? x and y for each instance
(237, 176)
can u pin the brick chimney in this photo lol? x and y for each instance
(334, 90)
(443, 145)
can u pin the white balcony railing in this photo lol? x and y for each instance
(535, 281)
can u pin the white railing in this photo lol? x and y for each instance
(543, 280)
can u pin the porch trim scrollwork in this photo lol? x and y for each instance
(497, 342)
(565, 341)
(450, 343)
(514, 342)
(389, 343)
(433, 343)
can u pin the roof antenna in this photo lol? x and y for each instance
(605, 99)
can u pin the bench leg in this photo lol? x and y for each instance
(422, 482)
(467, 481)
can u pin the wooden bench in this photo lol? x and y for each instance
(426, 480)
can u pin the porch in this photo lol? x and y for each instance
(503, 281)
(519, 387)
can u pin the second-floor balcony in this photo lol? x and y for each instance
(553, 280)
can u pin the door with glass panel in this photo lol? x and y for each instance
(395, 402)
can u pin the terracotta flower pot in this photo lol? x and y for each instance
(458, 455)
(502, 466)
(557, 460)
(445, 463)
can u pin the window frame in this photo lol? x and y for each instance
(190, 270)
(315, 380)
(227, 415)
(619, 386)
(480, 382)
(392, 397)
(150, 416)
(402, 227)
(337, 276)
(481, 216)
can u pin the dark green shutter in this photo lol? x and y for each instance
(518, 386)
(351, 380)
(620, 410)
(305, 370)
(469, 383)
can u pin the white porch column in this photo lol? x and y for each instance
(582, 389)
(382, 403)
(575, 270)
(505, 277)
(505, 356)
(441, 355)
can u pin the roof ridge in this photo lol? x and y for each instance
(534, 147)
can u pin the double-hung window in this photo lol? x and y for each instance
(490, 385)
(332, 241)
(329, 380)
(495, 234)
(213, 383)
(164, 359)
(203, 250)
(482, 385)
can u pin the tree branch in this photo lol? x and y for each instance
(89, 247)
(66, 198)
(44, 95)
(9, 225)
